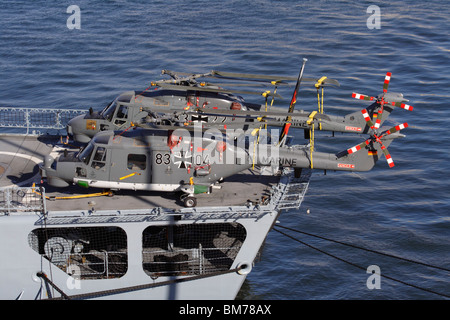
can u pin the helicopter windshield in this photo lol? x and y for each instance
(108, 112)
(85, 154)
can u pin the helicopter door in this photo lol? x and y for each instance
(97, 169)
(162, 172)
(131, 168)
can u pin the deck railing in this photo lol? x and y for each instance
(21, 199)
(37, 119)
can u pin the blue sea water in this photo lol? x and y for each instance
(123, 45)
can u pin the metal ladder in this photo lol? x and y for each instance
(291, 190)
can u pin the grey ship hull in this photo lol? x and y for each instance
(130, 245)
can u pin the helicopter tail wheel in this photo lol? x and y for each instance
(377, 138)
(190, 202)
(384, 99)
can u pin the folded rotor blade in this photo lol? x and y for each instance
(387, 155)
(396, 129)
(234, 75)
(367, 118)
(387, 79)
(192, 88)
(359, 146)
(379, 115)
(362, 97)
(402, 105)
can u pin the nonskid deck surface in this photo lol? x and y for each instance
(19, 166)
(20, 156)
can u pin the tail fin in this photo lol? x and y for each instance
(360, 119)
(365, 155)
(362, 157)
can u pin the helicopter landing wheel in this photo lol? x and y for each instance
(190, 202)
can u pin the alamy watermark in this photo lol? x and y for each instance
(73, 281)
(374, 20)
(374, 280)
(212, 146)
(74, 20)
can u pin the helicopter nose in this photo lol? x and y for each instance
(76, 128)
(73, 123)
(69, 130)
(76, 121)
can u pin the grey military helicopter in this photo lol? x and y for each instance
(181, 93)
(183, 101)
(194, 161)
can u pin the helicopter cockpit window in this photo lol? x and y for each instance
(99, 159)
(122, 115)
(108, 112)
(137, 162)
(85, 154)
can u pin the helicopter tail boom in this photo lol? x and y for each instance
(362, 157)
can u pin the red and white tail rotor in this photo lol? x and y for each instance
(375, 138)
(383, 100)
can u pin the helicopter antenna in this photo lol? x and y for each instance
(287, 124)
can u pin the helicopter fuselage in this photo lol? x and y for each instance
(153, 160)
(158, 106)
(184, 160)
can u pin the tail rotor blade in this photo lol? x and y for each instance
(367, 118)
(363, 97)
(378, 121)
(387, 79)
(358, 147)
(396, 129)
(387, 155)
(402, 105)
